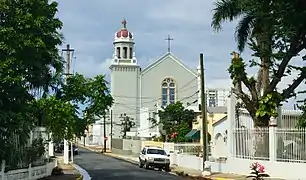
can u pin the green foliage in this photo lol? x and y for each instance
(268, 105)
(28, 53)
(60, 117)
(126, 124)
(76, 89)
(99, 98)
(60, 112)
(275, 32)
(302, 119)
(182, 129)
(35, 151)
(175, 118)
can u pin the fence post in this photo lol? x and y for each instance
(30, 165)
(3, 170)
(231, 105)
(51, 145)
(272, 139)
(30, 171)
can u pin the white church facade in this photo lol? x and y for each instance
(138, 93)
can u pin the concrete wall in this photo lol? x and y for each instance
(126, 147)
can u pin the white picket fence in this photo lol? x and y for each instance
(22, 171)
(30, 173)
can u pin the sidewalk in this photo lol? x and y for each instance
(69, 172)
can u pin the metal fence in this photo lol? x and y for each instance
(18, 156)
(288, 119)
(291, 145)
(251, 143)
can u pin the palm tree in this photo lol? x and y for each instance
(254, 27)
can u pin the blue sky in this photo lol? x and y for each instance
(90, 26)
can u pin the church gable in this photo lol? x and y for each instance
(167, 80)
(168, 59)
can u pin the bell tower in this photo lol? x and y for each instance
(124, 47)
(124, 83)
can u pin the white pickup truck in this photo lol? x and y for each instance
(154, 157)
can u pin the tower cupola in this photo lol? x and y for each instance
(124, 47)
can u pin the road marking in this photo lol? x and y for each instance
(82, 171)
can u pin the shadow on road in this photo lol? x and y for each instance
(62, 177)
(119, 174)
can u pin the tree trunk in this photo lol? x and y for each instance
(261, 137)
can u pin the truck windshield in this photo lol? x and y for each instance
(156, 151)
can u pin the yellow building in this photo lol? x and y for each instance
(214, 114)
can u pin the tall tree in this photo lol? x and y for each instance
(99, 98)
(28, 53)
(275, 36)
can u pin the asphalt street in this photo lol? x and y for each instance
(101, 167)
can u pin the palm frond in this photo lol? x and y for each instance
(225, 10)
(243, 30)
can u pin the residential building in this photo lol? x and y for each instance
(217, 97)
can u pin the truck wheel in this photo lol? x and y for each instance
(167, 168)
(140, 164)
(146, 166)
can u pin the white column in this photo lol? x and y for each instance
(272, 139)
(51, 146)
(66, 153)
(231, 105)
(71, 144)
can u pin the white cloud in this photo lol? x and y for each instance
(90, 67)
(89, 28)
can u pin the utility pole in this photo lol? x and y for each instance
(104, 131)
(111, 129)
(203, 109)
(66, 146)
(68, 59)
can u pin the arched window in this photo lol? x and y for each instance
(168, 92)
(125, 52)
(118, 52)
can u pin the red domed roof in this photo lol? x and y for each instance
(124, 32)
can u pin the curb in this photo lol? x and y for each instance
(82, 171)
(119, 158)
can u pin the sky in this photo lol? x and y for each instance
(90, 26)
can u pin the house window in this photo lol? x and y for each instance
(168, 92)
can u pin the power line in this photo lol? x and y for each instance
(182, 89)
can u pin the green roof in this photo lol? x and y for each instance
(193, 134)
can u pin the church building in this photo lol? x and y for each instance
(139, 92)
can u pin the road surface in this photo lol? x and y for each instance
(101, 167)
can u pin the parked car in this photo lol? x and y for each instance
(75, 150)
(154, 157)
(59, 148)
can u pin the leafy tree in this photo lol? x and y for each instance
(28, 52)
(99, 98)
(126, 124)
(175, 119)
(60, 117)
(275, 32)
